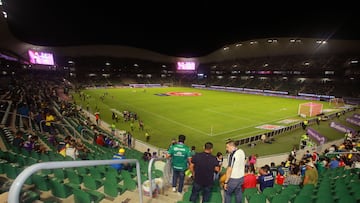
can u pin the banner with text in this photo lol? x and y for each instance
(316, 135)
(356, 115)
(341, 128)
(353, 120)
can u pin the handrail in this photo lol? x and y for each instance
(152, 160)
(42, 121)
(82, 132)
(21, 116)
(6, 113)
(16, 186)
(348, 152)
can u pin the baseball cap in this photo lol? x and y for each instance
(121, 150)
(310, 164)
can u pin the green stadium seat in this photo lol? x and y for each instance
(41, 181)
(95, 173)
(73, 176)
(59, 173)
(59, 189)
(86, 196)
(82, 170)
(248, 192)
(29, 196)
(269, 192)
(324, 199)
(347, 199)
(91, 183)
(257, 198)
(216, 197)
(281, 199)
(112, 189)
(129, 183)
(302, 199)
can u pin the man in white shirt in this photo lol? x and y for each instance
(234, 172)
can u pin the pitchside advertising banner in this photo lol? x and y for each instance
(353, 120)
(342, 128)
(316, 135)
(356, 115)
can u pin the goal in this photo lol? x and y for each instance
(336, 102)
(309, 109)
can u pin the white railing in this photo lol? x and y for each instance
(15, 189)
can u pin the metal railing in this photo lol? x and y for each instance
(348, 152)
(152, 160)
(3, 122)
(55, 123)
(15, 188)
(83, 130)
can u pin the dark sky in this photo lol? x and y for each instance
(176, 28)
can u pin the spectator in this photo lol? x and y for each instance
(147, 155)
(273, 169)
(97, 118)
(280, 179)
(234, 172)
(100, 140)
(180, 155)
(18, 140)
(250, 179)
(294, 178)
(220, 159)
(202, 167)
(311, 174)
(129, 139)
(120, 155)
(265, 179)
(252, 161)
(193, 152)
(334, 163)
(71, 150)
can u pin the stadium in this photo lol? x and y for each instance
(263, 93)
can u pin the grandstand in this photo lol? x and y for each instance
(277, 71)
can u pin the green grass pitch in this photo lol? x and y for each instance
(214, 116)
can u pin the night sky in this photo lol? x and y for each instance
(176, 28)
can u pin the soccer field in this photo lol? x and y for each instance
(203, 115)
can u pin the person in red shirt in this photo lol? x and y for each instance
(100, 140)
(280, 179)
(250, 179)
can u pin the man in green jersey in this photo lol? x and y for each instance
(180, 158)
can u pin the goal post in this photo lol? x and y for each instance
(336, 102)
(309, 109)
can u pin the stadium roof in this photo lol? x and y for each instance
(173, 29)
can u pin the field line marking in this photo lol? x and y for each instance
(229, 131)
(170, 120)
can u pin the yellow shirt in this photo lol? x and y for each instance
(49, 119)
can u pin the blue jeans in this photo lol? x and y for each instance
(206, 191)
(234, 186)
(178, 174)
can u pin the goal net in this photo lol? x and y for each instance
(336, 102)
(309, 109)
